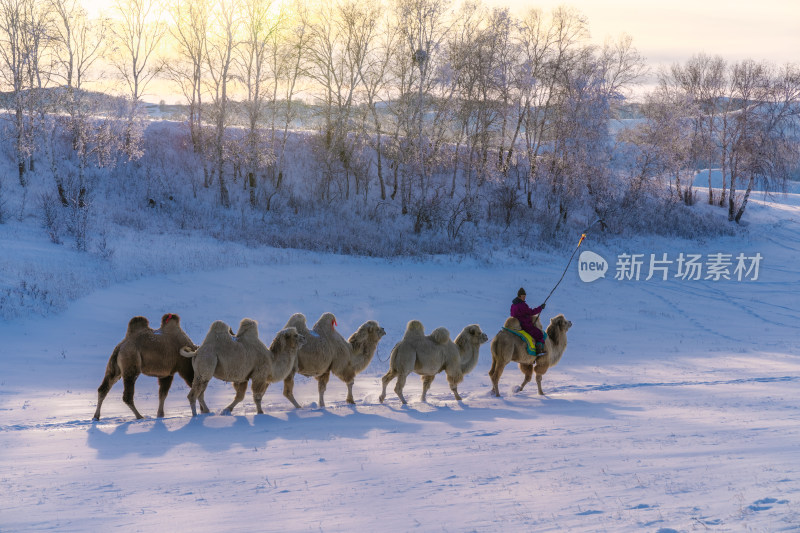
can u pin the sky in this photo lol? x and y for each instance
(672, 31)
(664, 32)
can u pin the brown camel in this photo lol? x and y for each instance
(151, 352)
(507, 347)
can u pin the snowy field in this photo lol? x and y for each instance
(675, 407)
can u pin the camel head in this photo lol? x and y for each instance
(558, 328)
(248, 329)
(369, 332)
(471, 334)
(287, 341)
(171, 327)
(171, 320)
(326, 323)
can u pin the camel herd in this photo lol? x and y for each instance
(241, 358)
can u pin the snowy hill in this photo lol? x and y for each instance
(673, 409)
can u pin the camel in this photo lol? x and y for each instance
(149, 352)
(327, 352)
(428, 355)
(239, 359)
(507, 347)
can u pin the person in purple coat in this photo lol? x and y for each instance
(523, 313)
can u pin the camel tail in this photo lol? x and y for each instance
(112, 368)
(188, 352)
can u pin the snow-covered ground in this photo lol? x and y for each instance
(675, 407)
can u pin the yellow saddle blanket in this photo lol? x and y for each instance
(530, 344)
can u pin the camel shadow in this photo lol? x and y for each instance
(218, 433)
(462, 415)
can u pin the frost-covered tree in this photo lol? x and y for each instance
(79, 45)
(137, 32)
(18, 32)
(189, 31)
(253, 66)
(220, 50)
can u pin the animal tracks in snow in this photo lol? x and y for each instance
(626, 386)
(765, 504)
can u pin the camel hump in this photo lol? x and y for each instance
(297, 320)
(247, 325)
(440, 335)
(137, 323)
(415, 327)
(325, 323)
(512, 323)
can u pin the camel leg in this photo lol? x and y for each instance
(163, 389)
(388, 377)
(241, 388)
(198, 390)
(527, 370)
(426, 384)
(102, 391)
(539, 383)
(259, 389)
(288, 388)
(398, 387)
(494, 375)
(454, 387)
(202, 399)
(129, 382)
(322, 384)
(188, 377)
(350, 398)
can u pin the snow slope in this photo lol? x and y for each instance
(675, 407)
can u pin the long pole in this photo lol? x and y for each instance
(583, 236)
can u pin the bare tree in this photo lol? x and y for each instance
(704, 85)
(550, 46)
(253, 66)
(14, 53)
(343, 35)
(375, 81)
(189, 30)
(663, 149)
(38, 42)
(220, 49)
(80, 43)
(288, 65)
(137, 32)
(425, 93)
(772, 146)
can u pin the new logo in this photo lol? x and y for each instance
(591, 266)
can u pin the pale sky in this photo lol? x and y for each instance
(667, 31)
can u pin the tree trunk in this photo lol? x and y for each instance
(224, 197)
(251, 178)
(749, 189)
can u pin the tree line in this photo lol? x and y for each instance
(449, 113)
